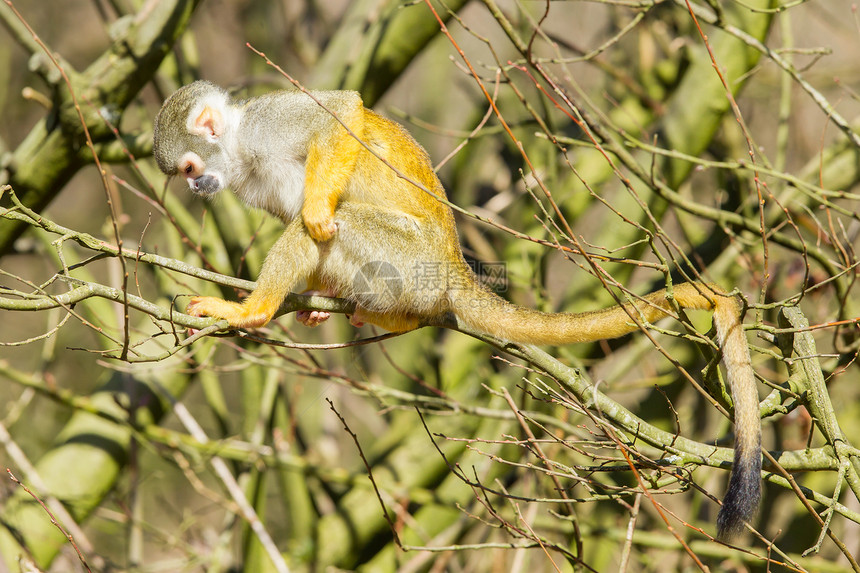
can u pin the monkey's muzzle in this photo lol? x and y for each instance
(205, 184)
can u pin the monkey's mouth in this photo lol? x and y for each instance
(205, 184)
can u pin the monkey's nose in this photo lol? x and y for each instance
(205, 184)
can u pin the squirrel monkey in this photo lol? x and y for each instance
(368, 235)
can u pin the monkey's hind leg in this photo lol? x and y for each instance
(388, 321)
(293, 257)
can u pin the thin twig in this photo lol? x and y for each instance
(369, 472)
(56, 523)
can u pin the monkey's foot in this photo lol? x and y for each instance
(314, 318)
(238, 315)
(321, 226)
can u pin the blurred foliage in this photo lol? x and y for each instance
(665, 146)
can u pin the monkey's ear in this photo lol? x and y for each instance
(208, 123)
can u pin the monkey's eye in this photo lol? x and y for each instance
(190, 165)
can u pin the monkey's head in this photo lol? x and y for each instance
(188, 136)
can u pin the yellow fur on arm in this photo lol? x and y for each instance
(330, 162)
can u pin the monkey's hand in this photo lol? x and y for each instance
(238, 315)
(319, 221)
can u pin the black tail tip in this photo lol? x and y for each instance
(741, 501)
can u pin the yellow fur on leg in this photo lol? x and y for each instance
(238, 315)
(390, 322)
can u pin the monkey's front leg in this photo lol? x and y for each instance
(292, 259)
(329, 166)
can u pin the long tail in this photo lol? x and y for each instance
(482, 310)
(742, 498)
